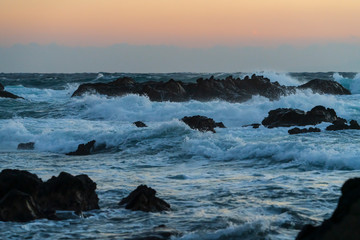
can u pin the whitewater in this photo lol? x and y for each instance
(237, 183)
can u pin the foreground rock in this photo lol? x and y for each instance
(143, 199)
(83, 149)
(229, 89)
(26, 146)
(202, 123)
(288, 117)
(6, 94)
(325, 87)
(139, 124)
(344, 222)
(303, 130)
(25, 197)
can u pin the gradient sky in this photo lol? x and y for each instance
(182, 23)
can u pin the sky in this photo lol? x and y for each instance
(179, 35)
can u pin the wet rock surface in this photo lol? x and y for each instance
(25, 197)
(303, 130)
(139, 124)
(143, 199)
(84, 149)
(325, 87)
(341, 124)
(202, 123)
(344, 222)
(6, 94)
(26, 146)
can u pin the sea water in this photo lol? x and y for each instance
(237, 183)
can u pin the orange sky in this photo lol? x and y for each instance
(191, 23)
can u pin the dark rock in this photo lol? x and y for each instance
(304, 130)
(1, 87)
(287, 117)
(202, 123)
(68, 192)
(84, 149)
(254, 125)
(340, 124)
(26, 146)
(344, 222)
(6, 94)
(354, 125)
(143, 199)
(19, 207)
(325, 87)
(21, 180)
(160, 232)
(139, 124)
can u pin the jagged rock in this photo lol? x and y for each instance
(304, 130)
(344, 222)
(26, 146)
(254, 125)
(139, 124)
(287, 117)
(202, 123)
(19, 207)
(143, 199)
(68, 192)
(84, 149)
(341, 124)
(6, 94)
(325, 87)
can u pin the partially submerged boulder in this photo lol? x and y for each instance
(303, 130)
(83, 149)
(325, 87)
(6, 94)
(344, 222)
(143, 199)
(341, 124)
(288, 117)
(202, 123)
(253, 125)
(139, 124)
(26, 146)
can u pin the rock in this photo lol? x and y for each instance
(143, 199)
(83, 149)
(26, 146)
(304, 130)
(1, 87)
(254, 125)
(344, 222)
(287, 117)
(139, 124)
(202, 123)
(160, 232)
(340, 124)
(325, 87)
(6, 94)
(68, 192)
(19, 207)
(20, 180)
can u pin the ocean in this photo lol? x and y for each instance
(237, 183)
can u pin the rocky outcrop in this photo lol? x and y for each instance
(341, 124)
(24, 196)
(344, 222)
(288, 117)
(6, 94)
(143, 199)
(325, 87)
(26, 146)
(303, 130)
(229, 89)
(68, 192)
(202, 123)
(253, 125)
(83, 149)
(139, 124)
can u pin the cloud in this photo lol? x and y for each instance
(146, 58)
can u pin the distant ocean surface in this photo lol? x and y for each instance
(239, 183)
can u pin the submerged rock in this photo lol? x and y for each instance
(160, 232)
(202, 123)
(143, 199)
(325, 87)
(287, 117)
(26, 146)
(139, 124)
(68, 192)
(6, 94)
(344, 222)
(303, 130)
(253, 125)
(83, 149)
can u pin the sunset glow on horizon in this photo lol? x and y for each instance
(195, 23)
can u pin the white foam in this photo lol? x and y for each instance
(352, 84)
